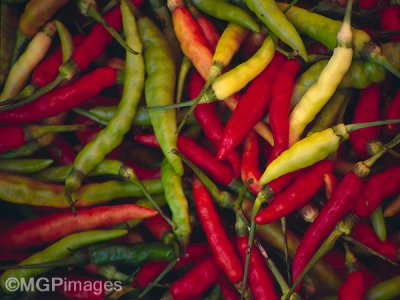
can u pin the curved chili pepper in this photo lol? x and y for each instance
(228, 292)
(157, 226)
(62, 98)
(42, 230)
(393, 112)
(251, 108)
(208, 29)
(220, 244)
(24, 166)
(363, 233)
(209, 120)
(367, 110)
(353, 288)
(297, 194)
(281, 93)
(61, 151)
(260, 280)
(375, 189)
(59, 250)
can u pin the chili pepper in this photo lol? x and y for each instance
(378, 223)
(364, 234)
(61, 151)
(160, 68)
(249, 167)
(158, 227)
(393, 112)
(269, 13)
(23, 166)
(111, 136)
(310, 150)
(228, 292)
(209, 120)
(228, 12)
(21, 69)
(251, 108)
(12, 137)
(393, 208)
(189, 286)
(62, 98)
(353, 288)
(42, 230)
(365, 4)
(59, 250)
(325, 30)
(297, 194)
(281, 92)
(198, 155)
(261, 283)
(373, 192)
(143, 173)
(23, 190)
(221, 247)
(388, 289)
(319, 93)
(71, 280)
(331, 183)
(367, 110)
(389, 17)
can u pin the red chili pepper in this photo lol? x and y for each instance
(11, 137)
(390, 19)
(157, 226)
(45, 229)
(331, 184)
(209, 31)
(375, 189)
(62, 98)
(209, 120)
(252, 43)
(149, 271)
(393, 112)
(260, 280)
(228, 292)
(200, 156)
(363, 233)
(249, 168)
(282, 90)
(61, 151)
(83, 293)
(367, 110)
(200, 277)
(220, 244)
(100, 100)
(353, 288)
(298, 194)
(143, 173)
(338, 206)
(251, 108)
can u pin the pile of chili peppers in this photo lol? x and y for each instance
(200, 149)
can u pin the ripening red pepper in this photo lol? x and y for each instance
(200, 156)
(282, 90)
(252, 106)
(390, 19)
(393, 112)
(298, 194)
(367, 110)
(228, 292)
(157, 226)
(260, 280)
(221, 247)
(353, 288)
(363, 233)
(207, 116)
(45, 229)
(61, 151)
(209, 31)
(377, 188)
(62, 98)
(338, 206)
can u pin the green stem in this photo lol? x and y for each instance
(284, 227)
(291, 4)
(352, 127)
(185, 67)
(90, 115)
(171, 106)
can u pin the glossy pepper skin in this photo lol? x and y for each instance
(353, 288)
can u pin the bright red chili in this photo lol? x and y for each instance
(157, 226)
(228, 292)
(209, 31)
(251, 108)
(390, 19)
(298, 194)
(223, 250)
(367, 110)
(249, 167)
(143, 173)
(393, 112)
(353, 288)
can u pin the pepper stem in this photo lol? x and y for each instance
(90, 115)
(185, 67)
(36, 131)
(356, 126)
(345, 36)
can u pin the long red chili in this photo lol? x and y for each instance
(251, 108)
(157, 226)
(42, 230)
(200, 277)
(353, 288)
(223, 250)
(282, 90)
(210, 121)
(363, 233)
(62, 98)
(11, 137)
(367, 110)
(61, 151)
(298, 194)
(228, 292)
(200, 156)
(375, 189)
(335, 209)
(209, 31)
(393, 112)
(260, 280)
(249, 167)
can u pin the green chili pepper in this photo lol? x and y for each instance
(388, 289)
(378, 223)
(24, 190)
(160, 87)
(59, 250)
(112, 135)
(177, 202)
(321, 91)
(268, 12)
(22, 166)
(223, 10)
